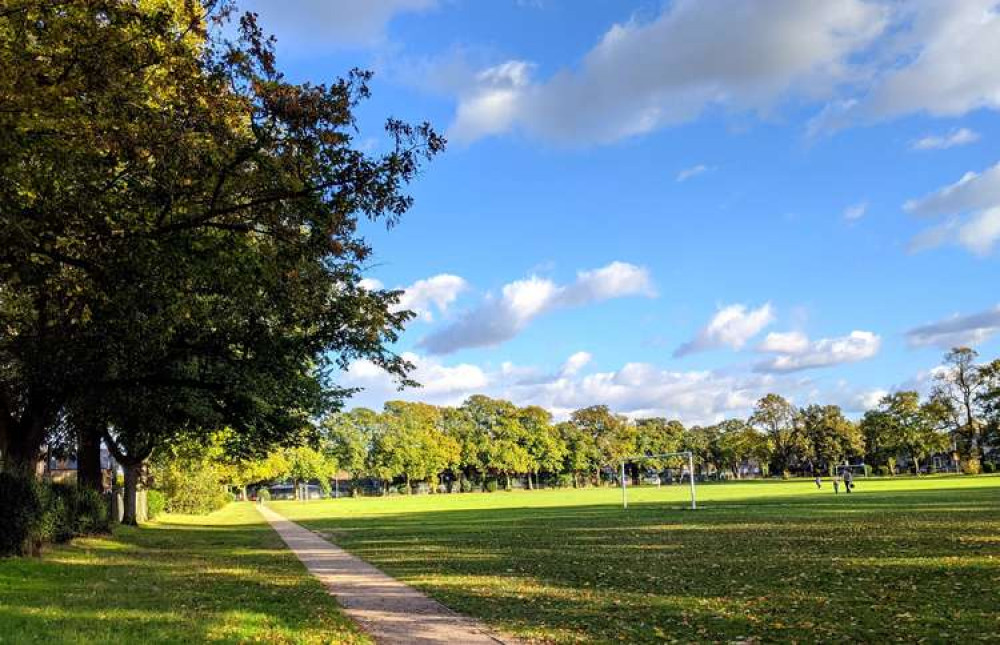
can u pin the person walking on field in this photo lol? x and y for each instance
(836, 485)
(848, 480)
(819, 483)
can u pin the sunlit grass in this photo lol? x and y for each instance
(900, 559)
(222, 578)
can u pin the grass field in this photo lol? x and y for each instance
(222, 578)
(898, 560)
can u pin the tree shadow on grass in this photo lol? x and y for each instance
(876, 566)
(168, 583)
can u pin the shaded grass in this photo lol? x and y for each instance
(225, 577)
(898, 560)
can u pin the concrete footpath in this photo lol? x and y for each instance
(392, 612)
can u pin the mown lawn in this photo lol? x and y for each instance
(222, 578)
(897, 560)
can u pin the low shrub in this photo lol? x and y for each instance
(466, 485)
(565, 480)
(264, 495)
(989, 467)
(156, 503)
(883, 471)
(491, 486)
(972, 466)
(35, 512)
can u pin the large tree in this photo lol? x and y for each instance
(778, 419)
(902, 426)
(828, 437)
(178, 220)
(959, 388)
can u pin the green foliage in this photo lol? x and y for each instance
(491, 485)
(263, 494)
(989, 467)
(74, 511)
(156, 503)
(37, 512)
(902, 426)
(180, 239)
(190, 485)
(21, 507)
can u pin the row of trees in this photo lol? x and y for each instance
(487, 438)
(179, 245)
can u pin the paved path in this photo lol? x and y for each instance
(386, 608)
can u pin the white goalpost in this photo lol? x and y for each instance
(664, 455)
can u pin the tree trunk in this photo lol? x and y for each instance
(531, 485)
(88, 460)
(507, 475)
(131, 514)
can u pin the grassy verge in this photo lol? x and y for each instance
(221, 578)
(898, 560)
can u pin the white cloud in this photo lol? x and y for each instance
(825, 352)
(425, 295)
(691, 172)
(308, 24)
(950, 51)
(440, 384)
(957, 330)
(634, 389)
(499, 319)
(642, 76)
(972, 208)
(731, 326)
(575, 363)
(960, 137)
(439, 291)
(855, 211)
(791, 342)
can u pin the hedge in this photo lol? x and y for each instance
(35, 513)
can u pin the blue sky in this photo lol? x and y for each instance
(676, 207)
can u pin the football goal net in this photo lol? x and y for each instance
(687, 470)
(854, 469)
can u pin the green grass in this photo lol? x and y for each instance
(221, 578)
(898, 560)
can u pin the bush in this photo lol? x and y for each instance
(971, 467)
(263, 495)
(34, 513)
(156, 503)
(491, 486)
(989, 467)
(565, 480)
(191, 487)
(883, 471)
(21, 509)
(466, 485)
(73, 511)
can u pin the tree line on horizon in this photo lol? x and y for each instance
(485, 442)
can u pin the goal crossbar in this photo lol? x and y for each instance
(663, 455)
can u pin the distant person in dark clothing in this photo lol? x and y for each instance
(848, 480)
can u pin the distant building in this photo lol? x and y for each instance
(64, 469)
